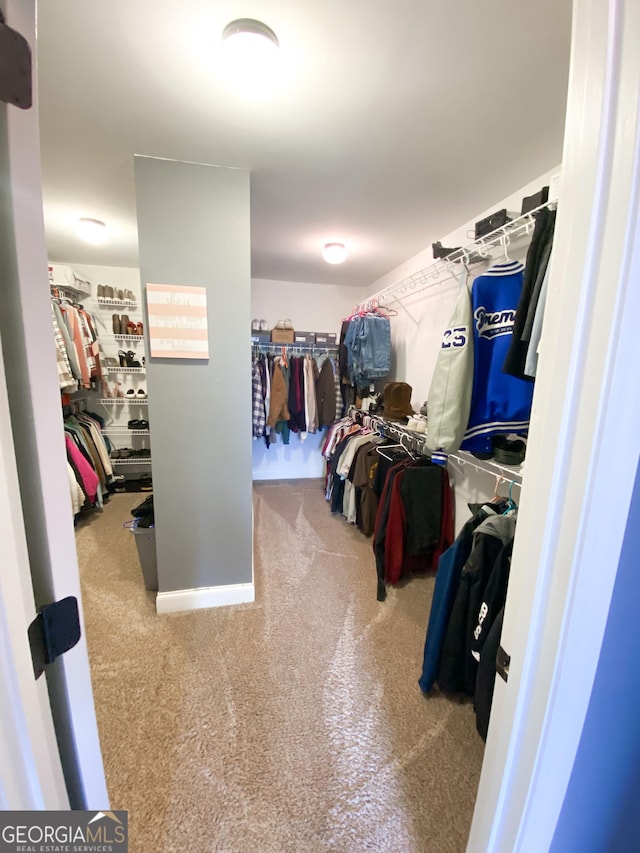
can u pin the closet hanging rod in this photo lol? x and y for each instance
(442, 270)
(276, 348)
(508, 473)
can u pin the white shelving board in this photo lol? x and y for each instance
(103, 302)
(124, 431)
(122, 401)
(145, 460)
(136, 338)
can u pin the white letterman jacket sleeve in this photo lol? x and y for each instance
(449, 400)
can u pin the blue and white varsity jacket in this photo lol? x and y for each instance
(471, 399)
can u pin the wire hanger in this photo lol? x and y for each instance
(505, 242)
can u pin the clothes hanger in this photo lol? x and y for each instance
(496, 497)
(512, 506)
(505, 242)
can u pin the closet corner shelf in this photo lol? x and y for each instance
(121, 401)
(114, 371)
(142, 460)
(139, 338)
(104, 302)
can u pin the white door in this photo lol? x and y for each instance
(30, 769)
(43, 507)
(583, 447)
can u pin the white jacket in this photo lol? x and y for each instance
(449, 400)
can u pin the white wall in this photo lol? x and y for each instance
(416, 345)
(312, 308)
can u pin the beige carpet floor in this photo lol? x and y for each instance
(290, 725)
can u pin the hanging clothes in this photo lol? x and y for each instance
(368, 348)
(498, 403)
(537, 264)
(326, 394)
(258, 416)
(458, 667)
(446, 586)
(278, 408)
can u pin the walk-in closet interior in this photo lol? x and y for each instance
(299, 326)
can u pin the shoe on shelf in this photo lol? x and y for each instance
(132, 361)
(123, 358)
(139, 329)
(124, 322)
(108, 292)
(255, 325)
(118, 390)
(288, 324)
(142, 424)
(141, 392)
(264, 326)
(280, 324)
(133, 424)
(101, 291)
(131, 329)
(116, 324)
(130, 392)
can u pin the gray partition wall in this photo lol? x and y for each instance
(193, 228)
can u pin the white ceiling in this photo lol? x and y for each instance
(395, 120)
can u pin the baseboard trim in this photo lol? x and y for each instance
(180, 600)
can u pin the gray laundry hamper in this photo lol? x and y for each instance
(146, 544)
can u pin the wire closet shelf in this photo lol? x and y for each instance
(276, 349)
(504, 473)
(444, 269)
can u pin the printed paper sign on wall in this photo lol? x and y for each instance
(177, 321)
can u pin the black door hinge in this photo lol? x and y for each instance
(54, 631)
(502, 663)
(15, 68)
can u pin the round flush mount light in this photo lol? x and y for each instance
(249, 53)
(334, 253)
(92, 230)
(248, 31)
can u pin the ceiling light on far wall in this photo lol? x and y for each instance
(334, 253)
(92, 230)
(250, 51)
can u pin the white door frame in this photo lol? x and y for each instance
(38, 437)
(583, 447)
(563, 567)
(30, 769)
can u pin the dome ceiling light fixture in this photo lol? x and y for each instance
(248, 31)
(334, 253)
(92, 230)
(249, 54)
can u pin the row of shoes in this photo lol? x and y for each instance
(139, 483)
(128, 359)
(130, 453)
(116, 392)
(138, 424)
(122, 325)
(105, 291)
